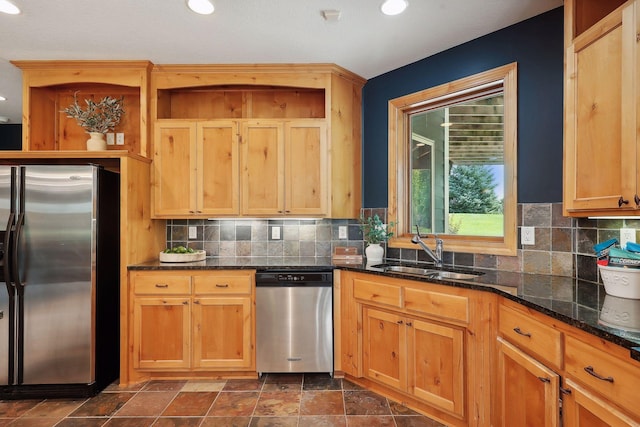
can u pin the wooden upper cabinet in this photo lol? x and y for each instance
(601, 97)
(299, 132)
(49, 86)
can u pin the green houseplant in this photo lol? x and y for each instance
(97, 118)
(374, 232)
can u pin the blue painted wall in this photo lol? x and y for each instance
(537, 46)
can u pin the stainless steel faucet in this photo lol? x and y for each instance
(437, 256)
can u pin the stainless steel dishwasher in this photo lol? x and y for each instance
(294, 321)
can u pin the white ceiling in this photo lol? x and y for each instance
(245, 31)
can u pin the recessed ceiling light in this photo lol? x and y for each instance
(446, 124)
(7, 7)
(394, 7)
(203, 7)
(2, 98)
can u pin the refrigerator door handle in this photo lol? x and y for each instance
(15, 268)
(8, 251)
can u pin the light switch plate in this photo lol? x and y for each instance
(193, 232)
(528, 236)
(275, 233)
(119, 138)
(111, 138)
(342, 232)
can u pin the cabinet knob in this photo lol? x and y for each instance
(622, 201)
(636, 199)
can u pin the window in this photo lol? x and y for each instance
(452, 163)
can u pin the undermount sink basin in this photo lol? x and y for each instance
(427, 272)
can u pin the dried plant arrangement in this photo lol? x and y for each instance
(101, 117)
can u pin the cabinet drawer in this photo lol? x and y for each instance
(531, 336)
(161, 285)
(222, 284)
(446, 306)
(615, 379)
(377, 292)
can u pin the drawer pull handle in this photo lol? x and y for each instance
(589, 370)
(565, 390)
(221, 285)
(161, 285)
(544, 379)
(518, 331)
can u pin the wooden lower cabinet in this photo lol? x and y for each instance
(188, 323)
(528, 390)
(584, 408)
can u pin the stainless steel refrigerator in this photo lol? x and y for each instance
(59, 260)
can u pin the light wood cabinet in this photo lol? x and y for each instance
(583, 408)
(49, 86)
(601, 155)
(417, 342)
(195, 167)
(192, 324)
(298, 132)
(284, 168)
(528, 390)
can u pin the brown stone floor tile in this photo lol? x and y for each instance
(323, 421)
(274, 422)
(83, 422)
(226, 422)
(16, 408)
(130, 422)
(283, 382)
(321, 403)
(416, 421)
(54, 408)
(365, 403)
(35, 422)
(5, 421)
(348, 385)
(147, 403)
(321, 382)
(399, 409)
(370, 421)
(234, 403)
(178, 422)
(278, 403)
(115, 386)
(244, 385)
(161, 385)
(190, 404)
(104, 404)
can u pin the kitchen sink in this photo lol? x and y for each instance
(427, 272)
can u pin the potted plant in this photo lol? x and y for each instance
(375, 232)
(97, 118)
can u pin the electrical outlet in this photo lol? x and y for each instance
(193, 232)
(275, 233)
(111, 138)
(627, 235)
(342, 232)
(119, 138)
(527, 235)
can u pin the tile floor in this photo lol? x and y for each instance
(275, 400)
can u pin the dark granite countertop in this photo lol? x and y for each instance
(581, 304)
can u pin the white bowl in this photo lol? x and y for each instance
(621, 313)
(198, 255)
(620, 281)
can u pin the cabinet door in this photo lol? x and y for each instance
(436, 364)
(528, 390)
(384, 345)
(600, 104)
(218, 179)
(174, 169)
(306, 170)
(161, 333)
(582, 408)
(262, 168)
(222, 333)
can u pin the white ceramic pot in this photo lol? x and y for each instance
(621, 313)
(96, 142)
(374, 253)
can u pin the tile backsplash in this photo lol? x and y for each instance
(563, 246)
